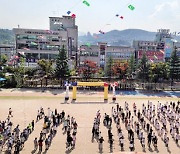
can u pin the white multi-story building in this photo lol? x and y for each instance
(100, 53)
(38, 44)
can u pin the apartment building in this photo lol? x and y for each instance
(38, 44)
(101, 52)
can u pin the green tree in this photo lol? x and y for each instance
(45, 67)
(100, 73)
(3, 61)
(19, 72)
(158, 72)
(174, 66)
(108, 69)
(31, 71)
(143, 69)
(131, 66)
(62, 68)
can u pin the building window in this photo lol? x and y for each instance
(43, 56)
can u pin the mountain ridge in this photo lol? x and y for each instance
(123, 37)
(113, 37)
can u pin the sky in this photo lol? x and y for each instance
(100, 15)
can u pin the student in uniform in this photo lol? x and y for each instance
(122, 142)
(177, 138)
(149, 139)
(46, 144)
(131, 145)
(101, 140)
(166, 141)
(40, 142)
(143, 142)
(35, 144)
(154, 140)
(10, 113)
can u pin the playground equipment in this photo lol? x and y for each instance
(91, 84)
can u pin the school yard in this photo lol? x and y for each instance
(25, 104)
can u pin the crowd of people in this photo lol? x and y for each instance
(13, 139)
(147, 124)
(51, 122)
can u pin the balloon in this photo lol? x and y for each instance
(131, 7)
(117, 15)
(86, 3)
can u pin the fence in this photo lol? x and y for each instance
(123, 85)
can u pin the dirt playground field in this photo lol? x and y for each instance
(25, 104)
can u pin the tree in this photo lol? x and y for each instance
(45, 66)
(174, 66)
(3, 60)
(62, 68)
(19, 72)
(88, 69)
(101, 73)
(143, 69)
(158, 71)
(131, 66)
(108, 69)
(120, 69)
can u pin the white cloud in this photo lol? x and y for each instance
(173, 6)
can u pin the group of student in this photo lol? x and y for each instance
(96, 133)
(13, 139)
(151, 122)
(51, 122)
(168, 113)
